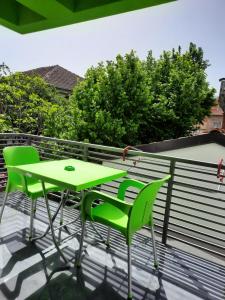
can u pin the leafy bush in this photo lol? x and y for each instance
(129, 101)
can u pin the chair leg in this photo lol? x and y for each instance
(61, 212)
(129, 273)
(61, 215)
(78, 263)
(33, 205)
(3, 205)
(108, 237)
(156, 264)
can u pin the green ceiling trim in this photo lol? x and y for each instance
(25, 16)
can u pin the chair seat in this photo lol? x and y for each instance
(110, 215)
(35, 190)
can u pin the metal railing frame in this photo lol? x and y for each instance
(167, 225)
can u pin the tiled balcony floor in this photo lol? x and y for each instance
(25, 266)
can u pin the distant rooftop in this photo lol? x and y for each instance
(57, 76)
(206, 147)
(210, 152)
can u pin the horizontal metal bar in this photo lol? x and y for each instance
(202, 188)
(190, 192)
(195, 238)
(60, 148)
(199, 171)
(158, 213)
(177, 177)
(135, 174)
(60, 152)
(198, 225)
(130, 158)
(139, 170)
(47, 154)
(104, 154)
(197, 202)
(198, 210)
(7, 145)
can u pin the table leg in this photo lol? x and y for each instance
(32, 218)
(63, 200)
(53, 219)
(51, 224)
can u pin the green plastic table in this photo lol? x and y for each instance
(70, 174)
(85, 175)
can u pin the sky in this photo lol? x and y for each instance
(80, 46)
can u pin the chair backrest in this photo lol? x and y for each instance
(19, 155)
(141, 213)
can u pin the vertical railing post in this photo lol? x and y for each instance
(85, 153)
(168, 202)
(29, 141)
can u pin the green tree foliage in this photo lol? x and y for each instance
(112, 101)
(4, 124)
(129, 101)
(62, 121)
(29, 105)
(181, 94)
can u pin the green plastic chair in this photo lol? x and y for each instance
(22, 155)
(125, 217)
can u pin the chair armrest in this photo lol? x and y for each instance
(126, 184)
(90, 197)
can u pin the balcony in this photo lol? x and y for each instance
(189, 223)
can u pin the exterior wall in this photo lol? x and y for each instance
(215, 120)
(211, 123)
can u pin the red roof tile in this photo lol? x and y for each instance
(57, 76)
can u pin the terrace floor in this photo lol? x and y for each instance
(25, 266)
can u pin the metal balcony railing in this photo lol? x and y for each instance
(189, 210)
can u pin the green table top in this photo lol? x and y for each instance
(85, 174)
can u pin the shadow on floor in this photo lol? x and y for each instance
(25, 268)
